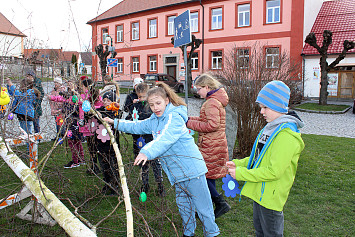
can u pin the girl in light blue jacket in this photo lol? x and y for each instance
(179, 156)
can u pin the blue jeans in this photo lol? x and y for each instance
(212, 187)
(194, 194)
(267, 222)
(36, 125)
(26, 125)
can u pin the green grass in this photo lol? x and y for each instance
(317, 107)
(321, 201)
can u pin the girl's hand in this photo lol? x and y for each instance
(141, 157)
(109, 120)
(135, 100)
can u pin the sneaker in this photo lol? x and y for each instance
(71, 164)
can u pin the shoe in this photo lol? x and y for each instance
(71, 164)
(161, 190)
(145, 188)
(222, 207)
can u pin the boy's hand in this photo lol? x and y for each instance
(109, 120)
(141, 157)
(231, 168)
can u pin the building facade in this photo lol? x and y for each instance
(141, 33)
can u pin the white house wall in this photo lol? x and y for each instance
(10, 46)
(311, 75)
(311, 9)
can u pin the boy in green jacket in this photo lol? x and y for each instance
(270, 170)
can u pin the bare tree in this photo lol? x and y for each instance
(325, 68)
(243, 78)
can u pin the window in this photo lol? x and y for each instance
(272, 57)
(272, 11)
(194, 61)
(135, 64)
(119, 34)
(152, 28)
(216, 59)
(242, 59)
(243, 15)
(152, 63)
(135, 31)
(216, 19)
(105, 39)
(171, 29)
(194, 22)
(120, 65)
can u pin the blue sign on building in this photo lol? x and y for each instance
(112, 62)
(182, 35)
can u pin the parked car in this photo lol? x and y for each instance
(150, 79)
(193, 88)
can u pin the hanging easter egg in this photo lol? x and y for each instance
(74, 99)
(10, 116)
(70, 133)
(191, 132)
(60, 141)
(86, 106)
(135, 115)
(142, 197)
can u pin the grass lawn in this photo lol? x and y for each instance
(321, 202)
(317, 107)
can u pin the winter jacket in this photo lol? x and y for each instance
(128, 105)
(23, 103)
(106, 147)
(38, 101)
(211, 126)
(56, 107)
(172, 144)
(269, 178)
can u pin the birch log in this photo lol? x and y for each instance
(72, 225)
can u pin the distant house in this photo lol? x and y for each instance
(140, 31)
(11, 40)
(85, 62)
(338, 17)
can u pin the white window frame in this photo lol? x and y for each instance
(119, 65)
(135, 65)
(217, 19)
(243, 15)
(194, 22)
(135, 30)
(152, 64)
(104, 36)
(119, 34)
(194, 62)
(243, 57)
(171, 28)
(273, 57)
(153, 28)
(216, 59)
(273, 10)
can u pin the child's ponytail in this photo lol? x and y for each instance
(165, 91)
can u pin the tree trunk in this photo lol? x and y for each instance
(323, 94)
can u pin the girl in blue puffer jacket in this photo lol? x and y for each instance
(178, 154)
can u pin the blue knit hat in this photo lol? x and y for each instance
(275, 95)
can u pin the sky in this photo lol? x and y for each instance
(55, 23)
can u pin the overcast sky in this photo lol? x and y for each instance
(57, 23)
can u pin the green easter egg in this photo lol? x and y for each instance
(143, 197)
(74, 98)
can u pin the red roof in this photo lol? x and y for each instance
(339, 17)
(6, 27)
(133, 6)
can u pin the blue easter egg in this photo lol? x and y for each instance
(86, 106)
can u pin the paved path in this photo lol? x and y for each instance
(340, 125)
